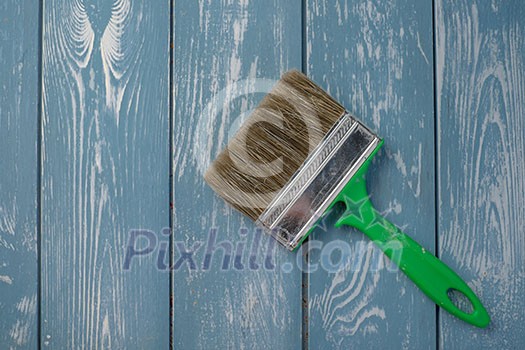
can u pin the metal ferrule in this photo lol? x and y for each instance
(304, 199)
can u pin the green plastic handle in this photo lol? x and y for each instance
(429, 273)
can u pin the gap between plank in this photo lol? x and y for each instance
(39, 139)
(170, 164)
(305, 278)
(436, 153)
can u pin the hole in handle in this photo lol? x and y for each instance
(460, 300)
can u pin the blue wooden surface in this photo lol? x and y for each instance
(18, 167)
(442, 82)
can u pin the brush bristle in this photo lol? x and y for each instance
(273, 143)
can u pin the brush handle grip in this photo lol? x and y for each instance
(429, 273)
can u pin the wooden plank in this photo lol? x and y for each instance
(480, 104)
(218, 44)
(18, 161)
(376, 58)
(105, 172)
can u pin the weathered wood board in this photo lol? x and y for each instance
(19, 43)
(227, 55)
(105, 171)
(376, 58)
(480, 76)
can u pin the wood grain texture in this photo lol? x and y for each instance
(18, 180)
(480, 104)
(376, 58)
(223, 52)
(105, 172)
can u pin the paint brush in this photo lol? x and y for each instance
(299, 154)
